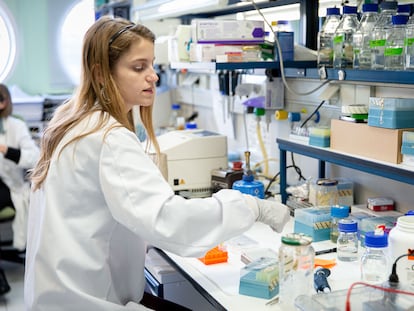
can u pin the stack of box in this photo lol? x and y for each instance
(393, 113)
(407, 148)
(313, 221)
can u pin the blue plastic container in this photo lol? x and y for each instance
(250, 186)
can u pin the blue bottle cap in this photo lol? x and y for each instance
(333, 11)
(399, 19)
(190, 125)
(175, 106)
(370, 7)
(347, 225)
(376, 240)
(404, 8)
(282, 22)
(410, 213)
(347, 9)
(388, 5)
(340, 211)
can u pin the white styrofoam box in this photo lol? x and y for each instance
(228, 31)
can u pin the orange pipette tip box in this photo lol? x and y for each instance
(213, 256)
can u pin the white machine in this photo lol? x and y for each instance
(191, 156)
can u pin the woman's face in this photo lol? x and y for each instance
(135, 75)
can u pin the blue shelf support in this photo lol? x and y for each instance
(393, 172)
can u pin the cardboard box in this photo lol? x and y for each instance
(368, 141)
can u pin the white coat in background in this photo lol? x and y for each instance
(101, 203)
(17, 135)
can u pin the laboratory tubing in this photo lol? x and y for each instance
(337, 212)
(296, 261)
(375, 267)
(409, 44)
(326, 193)
(347, 244)
(400, 241)
(342, 42)
(362, 51)
(394, 52)
(378, 37)
(325, 37)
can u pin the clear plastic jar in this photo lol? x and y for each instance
(296, 260)
(326, 193)
(338, 212)
(375, 261)
(347, 244)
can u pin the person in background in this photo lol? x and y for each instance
(18, 152)
(98, 199)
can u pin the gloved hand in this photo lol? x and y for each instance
(271, 213)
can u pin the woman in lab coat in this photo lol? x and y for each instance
(18, 152)
(98, 199)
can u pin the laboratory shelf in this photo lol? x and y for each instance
(323, 155)
(241, 65)
(307, 69)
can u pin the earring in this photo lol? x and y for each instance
(104, 96)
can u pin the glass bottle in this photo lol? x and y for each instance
(296, 261)
(375, 261)
(337, 213)
(409, 44)
(378, 37)
(176, 121)
(325, 37)
(347, 244)
(394, 52)
(362, 51)
(326, 192)
(342, 42)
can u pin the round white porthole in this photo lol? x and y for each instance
(7, 43)
(74, 27)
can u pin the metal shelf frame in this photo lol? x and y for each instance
(323, 155)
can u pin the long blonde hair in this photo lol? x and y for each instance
(104, 43)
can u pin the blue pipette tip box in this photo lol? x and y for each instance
(260, 278)
(314, 221)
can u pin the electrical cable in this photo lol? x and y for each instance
(312, 114)
(279, 50)
(262, 147)
(276, 176)
(385, 289)
(297, 168)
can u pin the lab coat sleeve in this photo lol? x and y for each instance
(140, 199)
(22, 139)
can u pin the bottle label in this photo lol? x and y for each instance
(338, 39)
(409, 41)
(393, 51)
(376, 43)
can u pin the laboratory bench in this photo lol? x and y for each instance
(219, 283)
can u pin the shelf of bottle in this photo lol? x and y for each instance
(307, 69)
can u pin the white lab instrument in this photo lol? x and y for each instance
(191, 157)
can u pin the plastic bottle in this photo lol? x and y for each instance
(375, 266)
(394, 52)
(362, 51)
(176, 121)
(285, 36)
(409, 44)
(342, 43)
(400, 241)
(325, 37)
(378, 37)
(337, 213)
(296, 261)
(347, 244)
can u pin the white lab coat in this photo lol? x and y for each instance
(17, 135)
(101, 203)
